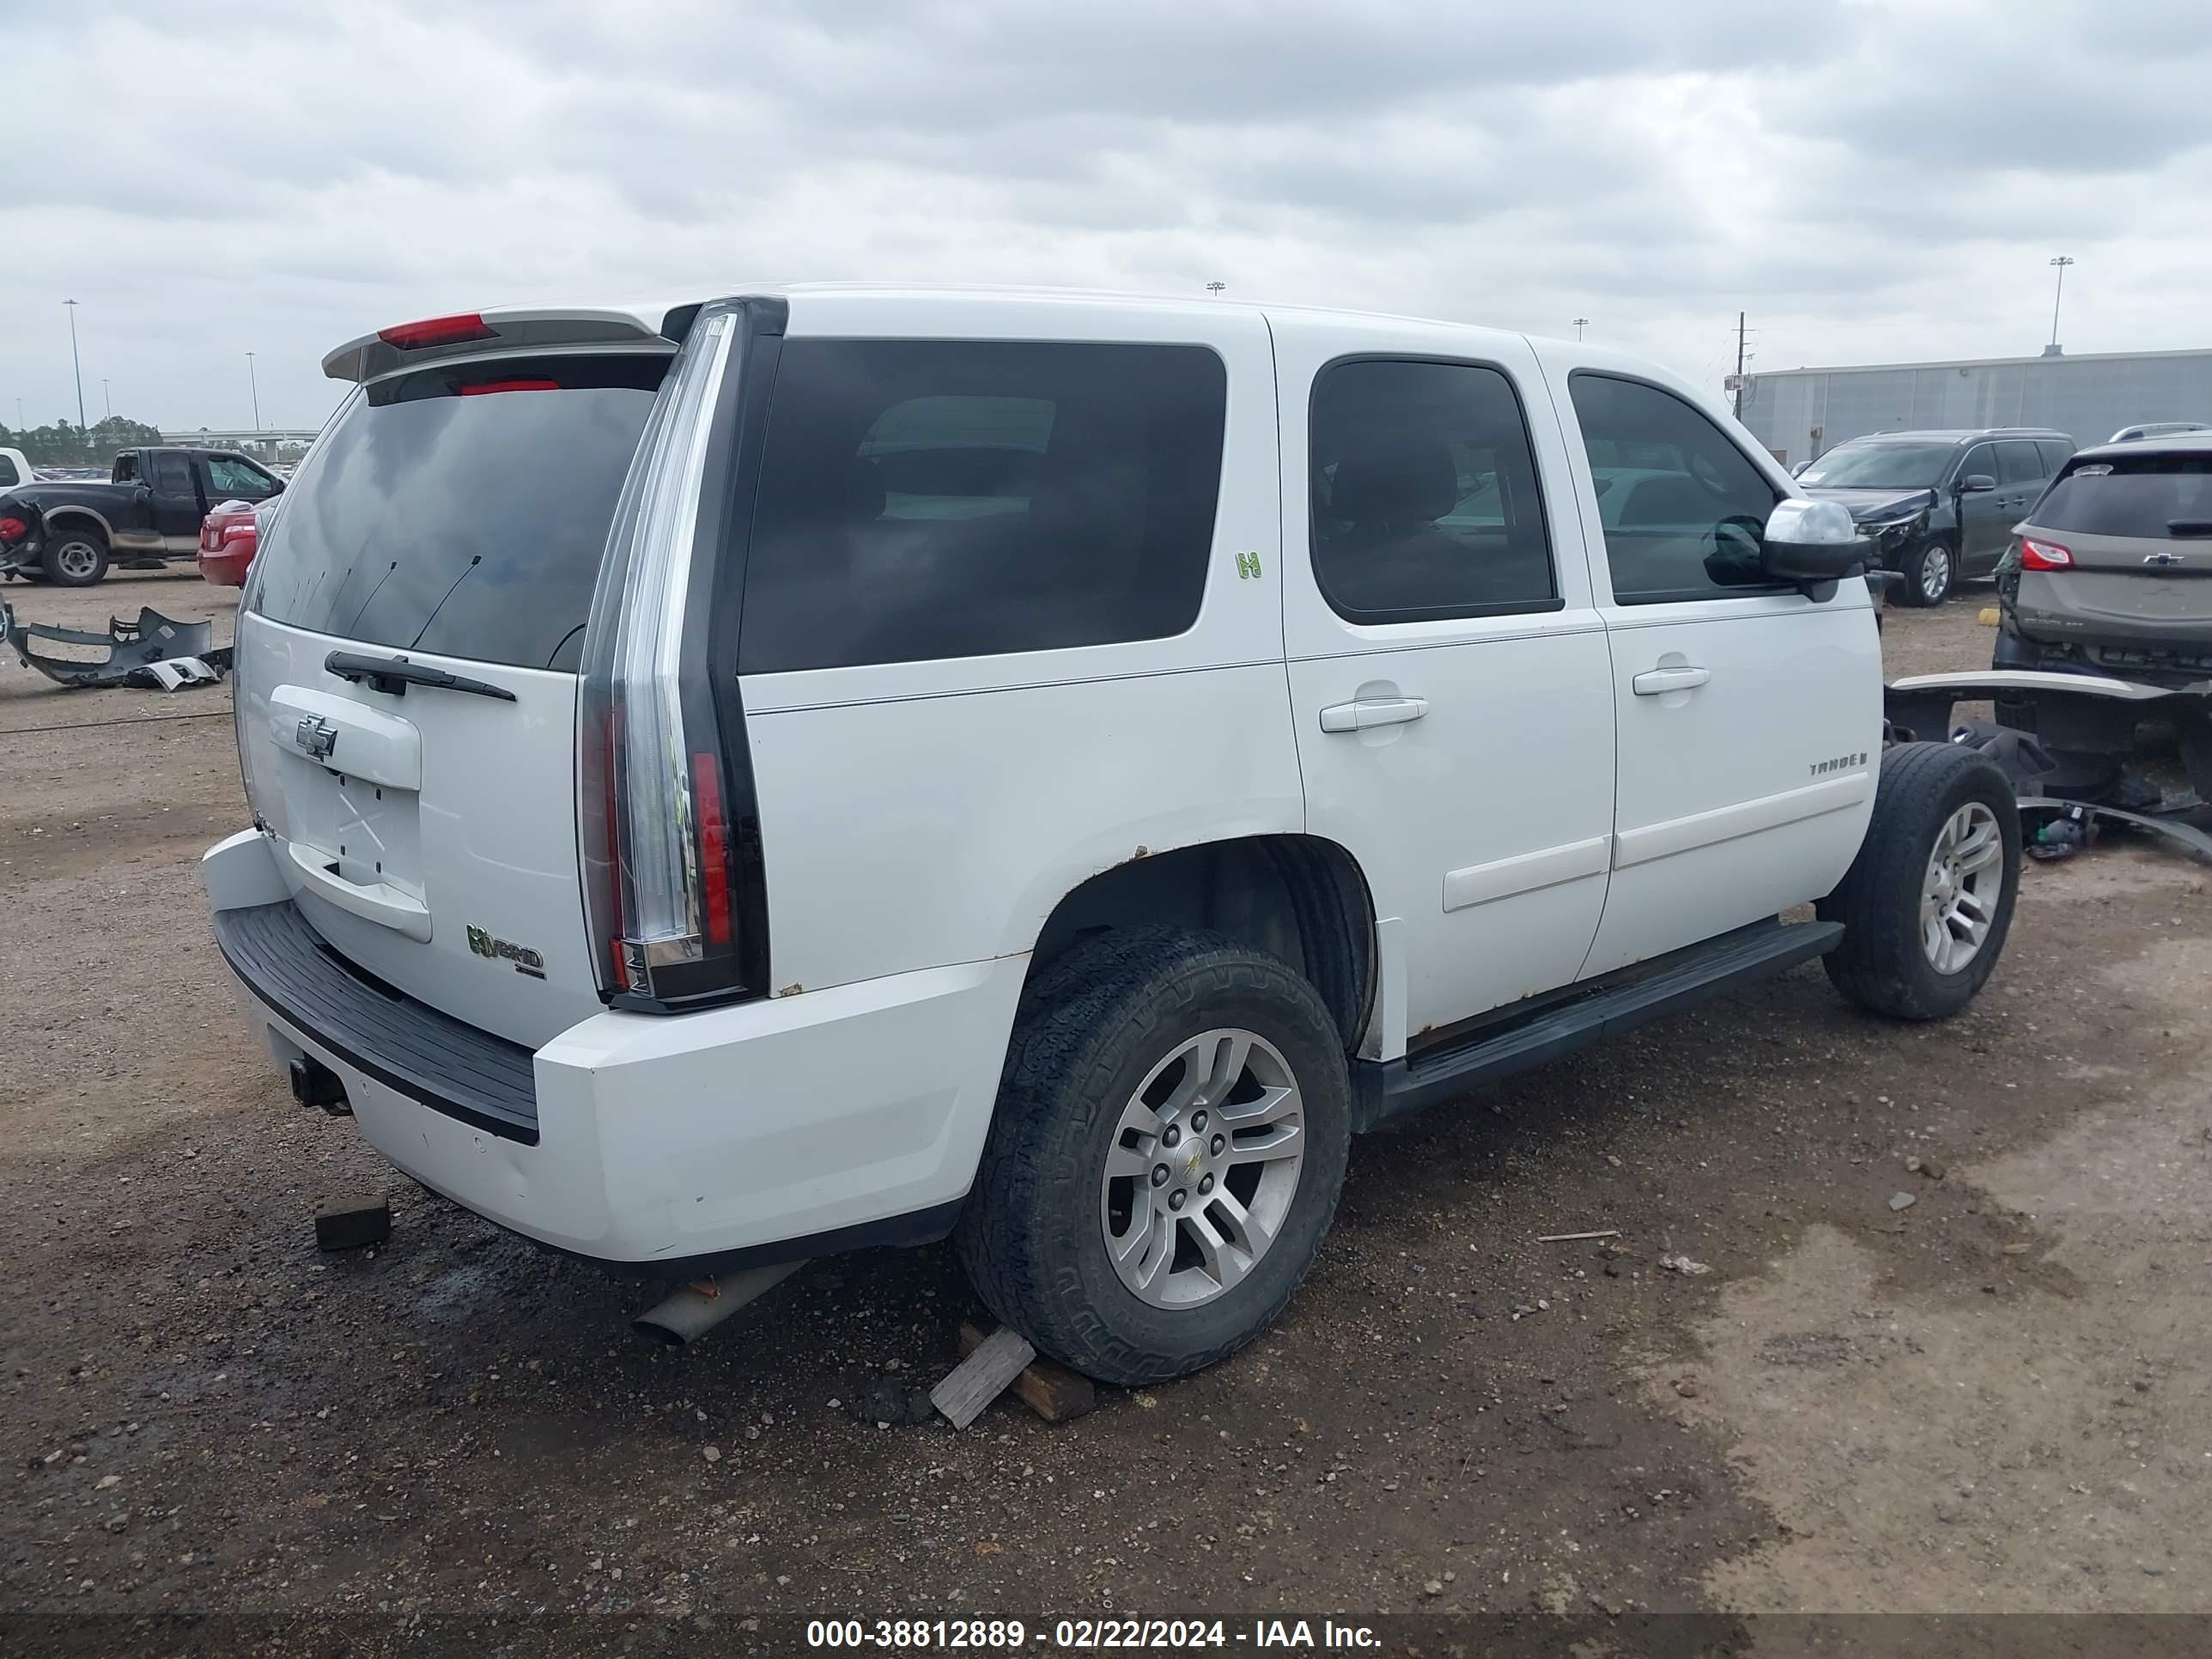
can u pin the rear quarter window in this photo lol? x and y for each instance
(923, 500)
(461, 511)
(2153, 497)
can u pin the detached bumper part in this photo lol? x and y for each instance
(154, 652)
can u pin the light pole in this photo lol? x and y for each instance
(255, 386)
(1580, 323)
(2060, 263)
(107, 398)
(76, 364)
(1214, 288)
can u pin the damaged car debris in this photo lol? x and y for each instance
(2070, 759)
(154, 652)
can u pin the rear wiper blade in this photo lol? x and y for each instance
(395, 674)
(2189, 526)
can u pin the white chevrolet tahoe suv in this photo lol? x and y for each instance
(842, 765)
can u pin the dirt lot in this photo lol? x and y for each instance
(1994, 1399)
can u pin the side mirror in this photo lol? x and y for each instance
(1975, 482)
(1812, 544)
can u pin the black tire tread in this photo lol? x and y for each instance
(1879, 965)
(52, 570)
(1070, 1036)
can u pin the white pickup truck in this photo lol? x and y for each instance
(828, 766)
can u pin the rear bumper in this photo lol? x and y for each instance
(225, 569)
(667, 1146)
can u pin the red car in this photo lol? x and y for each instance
(229, 536)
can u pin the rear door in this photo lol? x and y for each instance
(450, 520)
(1986, 516)
(2137, 529)
(1449, 686)
(177, 508)
(2021, 481)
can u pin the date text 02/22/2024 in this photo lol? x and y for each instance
(1288, 1635)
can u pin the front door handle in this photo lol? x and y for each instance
(1658, 682)
(1372, 711)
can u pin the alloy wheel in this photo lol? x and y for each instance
(1202, 1169)
(1960, 894)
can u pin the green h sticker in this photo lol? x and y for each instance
(1248, 565)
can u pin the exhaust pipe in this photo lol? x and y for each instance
(700, 1306)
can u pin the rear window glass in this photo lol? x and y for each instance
(461, 512)
(2151, 496)
(922, 500)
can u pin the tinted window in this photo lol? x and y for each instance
(2018, 463)
(231, 478)
(172, 475)
(2155, 496)
(1424, 494)
(1982, 459)
(8, 475)
(431, 517)
(2054, 453)
(1683, 509)
(921, 500)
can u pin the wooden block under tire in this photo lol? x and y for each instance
(1046, 1387)
(348, 1223)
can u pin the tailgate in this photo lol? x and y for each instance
(406, 677)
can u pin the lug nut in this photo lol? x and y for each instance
(1197, 1121)
(1159, 1175)
(1220, 1143)
(1205, 1185)
(1176, 1199)
(1172, 1136)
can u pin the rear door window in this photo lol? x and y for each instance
(2018, 463)
(1423, 491)
(173, 475)
(461, 511)
(2153, 497)
(924, 499)
(2054, 453)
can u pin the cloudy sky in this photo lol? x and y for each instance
(1873, 182)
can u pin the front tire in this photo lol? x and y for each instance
(74, 557)
(1929, 901)
(1931, 571)
(1172, 1129)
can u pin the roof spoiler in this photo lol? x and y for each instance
(506, 332)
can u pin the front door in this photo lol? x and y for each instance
(1986, 516)
(1447, 673)
(1749, 716)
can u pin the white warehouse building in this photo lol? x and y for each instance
(1799, 413)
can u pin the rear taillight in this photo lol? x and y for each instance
(438, 331)
(2044, 556)
(653, 806)
(13, 529)
(481, 387)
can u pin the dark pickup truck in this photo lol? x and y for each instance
(147, 512)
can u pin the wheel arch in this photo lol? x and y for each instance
(1301, 897)
(59, 518)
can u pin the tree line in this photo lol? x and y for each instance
(64, 445)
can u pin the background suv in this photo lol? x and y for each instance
(1939, 506)
(2112, 572)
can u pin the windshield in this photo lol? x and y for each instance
(1879, 466)
(461, 511)
(2151, 496)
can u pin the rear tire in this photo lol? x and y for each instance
(1931, 571)
(1111, 1155)
(75, 556)
(1928, 902)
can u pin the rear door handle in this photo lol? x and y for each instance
(1372, 711)
(1658, 682)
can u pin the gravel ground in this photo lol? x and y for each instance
(1994, 1399)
